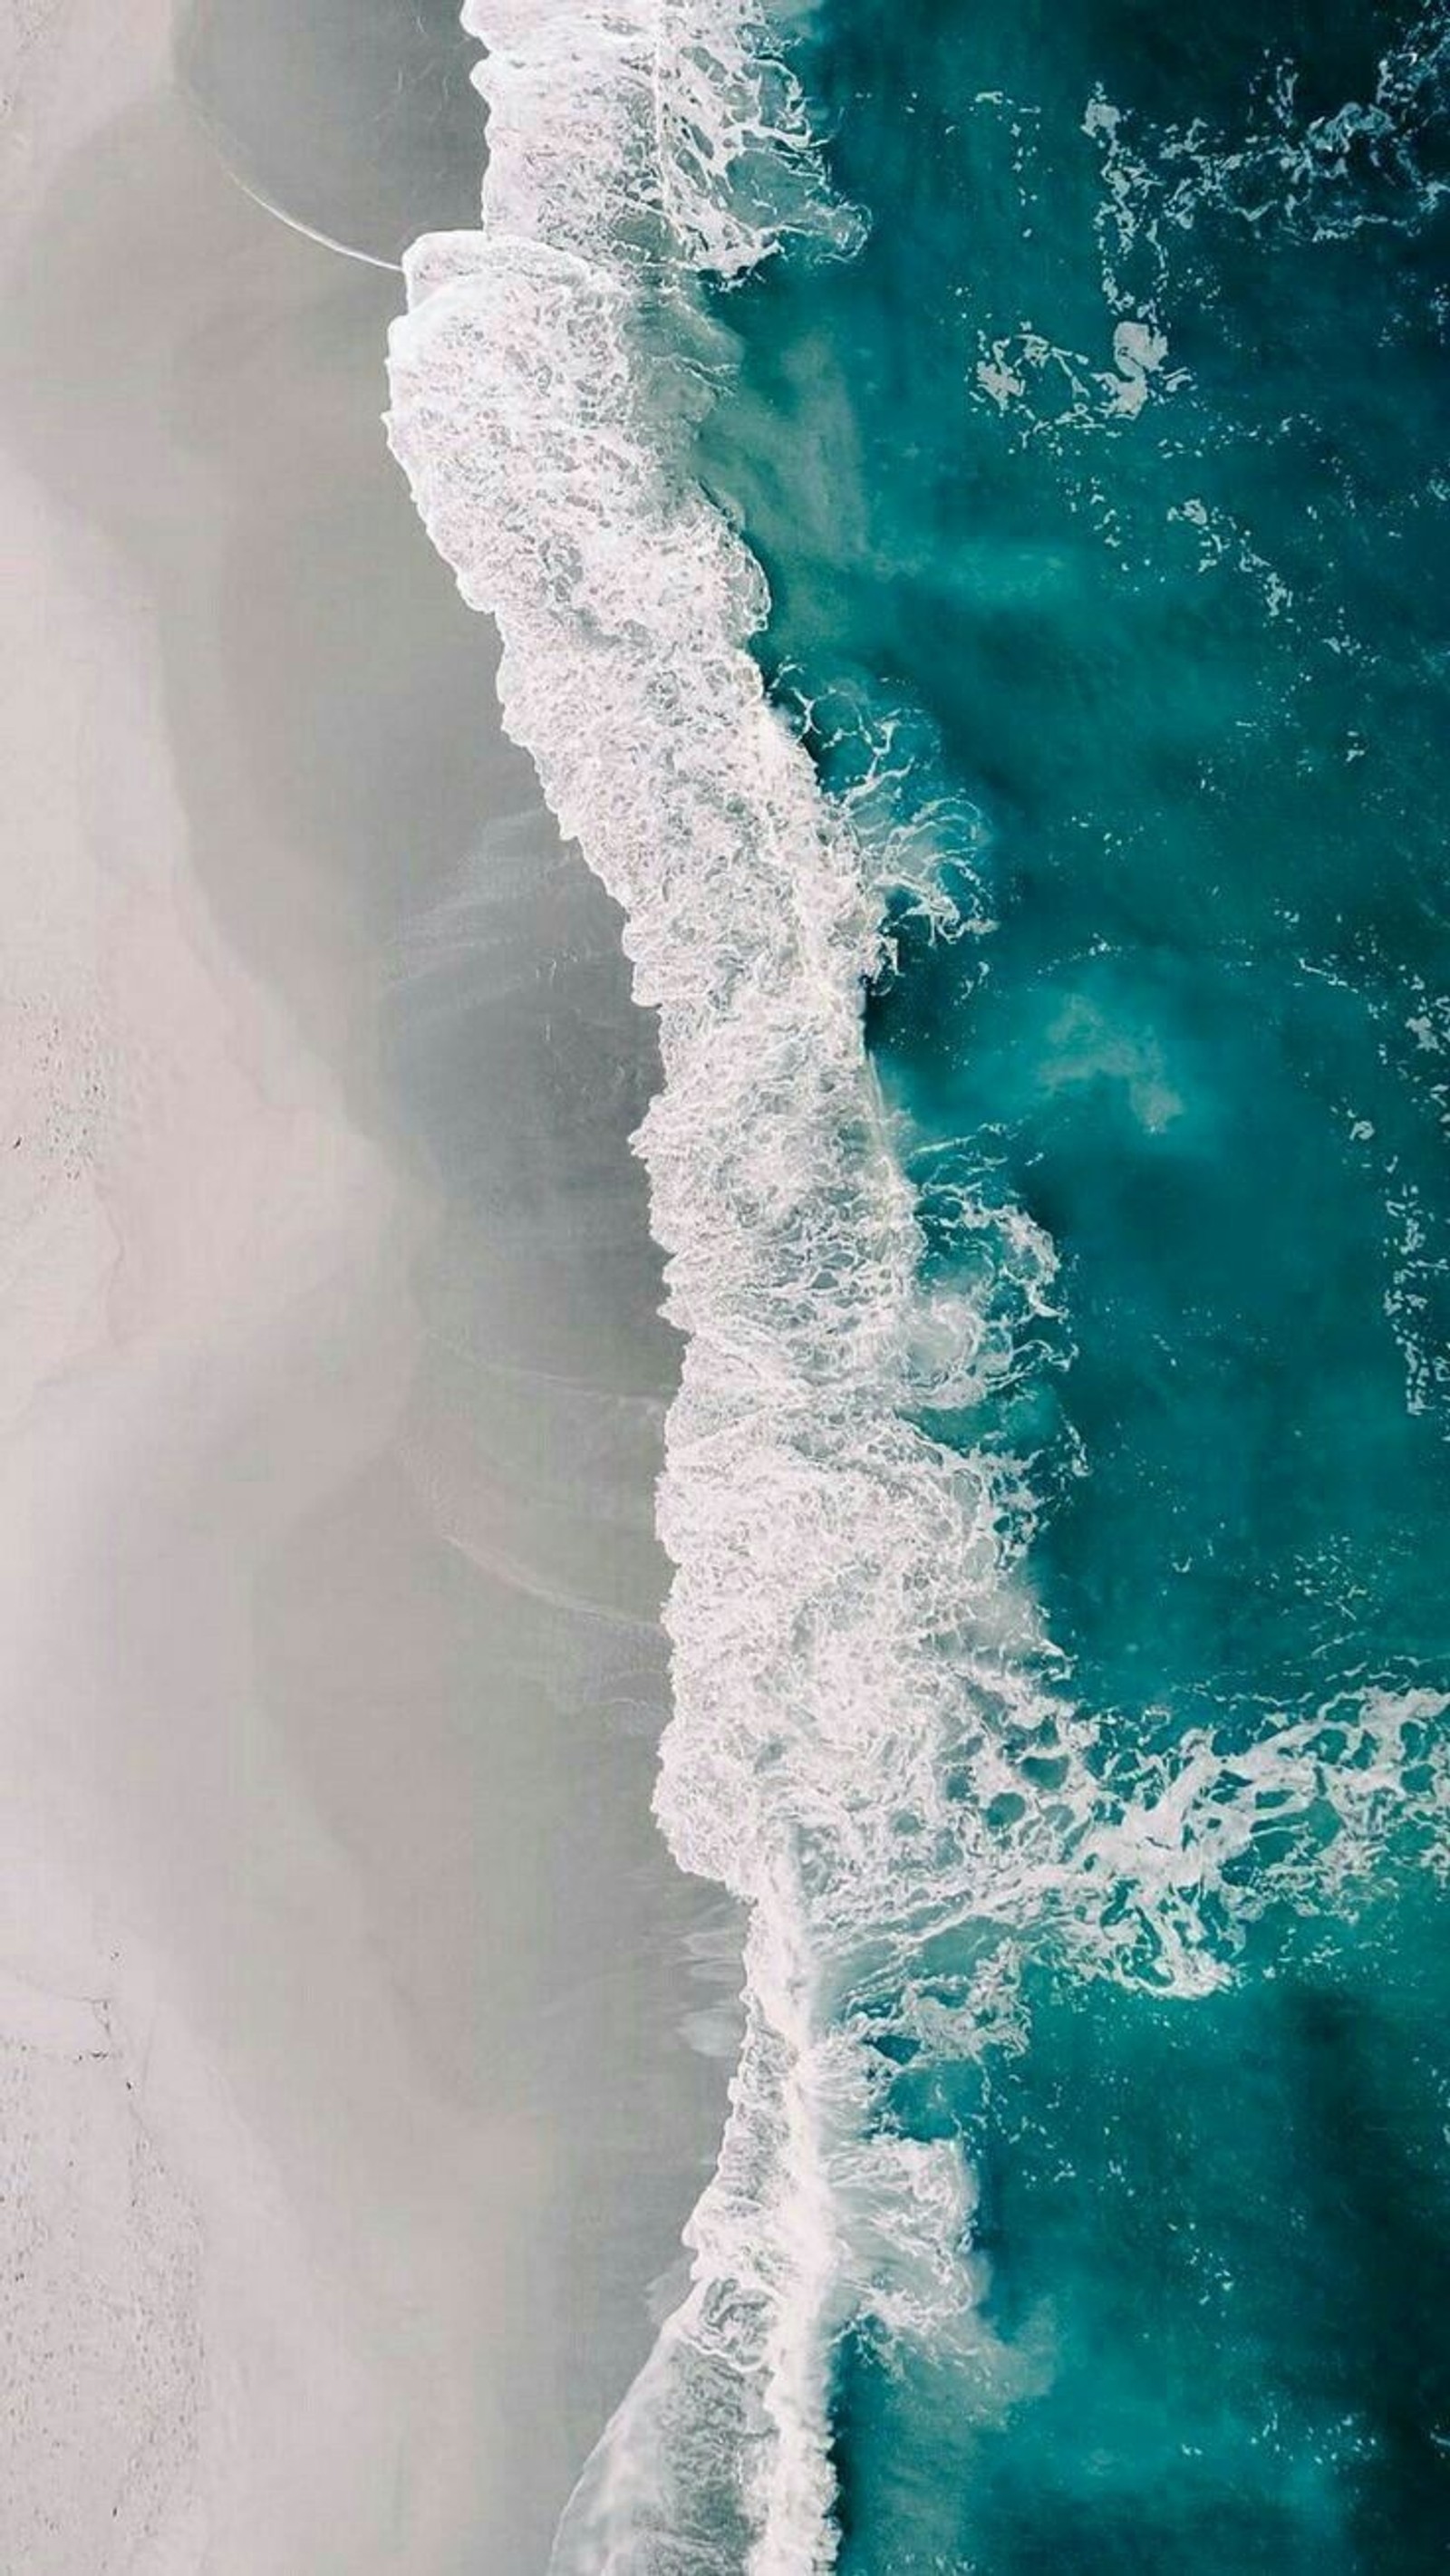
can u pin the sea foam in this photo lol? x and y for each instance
(815, 1534)
(869, 1742)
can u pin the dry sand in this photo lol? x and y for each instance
(344, 2109)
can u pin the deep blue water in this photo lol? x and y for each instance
(1114, 463)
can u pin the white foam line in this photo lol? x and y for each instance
(624, 606)
(269, 205)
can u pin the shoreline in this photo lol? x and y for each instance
(340, 1826)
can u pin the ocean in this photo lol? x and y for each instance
(963, 492)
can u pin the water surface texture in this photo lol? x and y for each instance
(964, 494)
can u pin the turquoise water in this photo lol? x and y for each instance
(1104, 504)
(1054, 1036)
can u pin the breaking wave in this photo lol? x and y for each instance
(871, 1742)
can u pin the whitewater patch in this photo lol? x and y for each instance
(871, 1742)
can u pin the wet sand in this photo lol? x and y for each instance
(346, 2110)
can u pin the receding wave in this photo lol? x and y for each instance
(871, 1740)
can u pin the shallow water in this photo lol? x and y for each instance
(359, 126)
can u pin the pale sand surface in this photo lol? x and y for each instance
(344, 2109)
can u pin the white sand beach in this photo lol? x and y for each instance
(346, 2111)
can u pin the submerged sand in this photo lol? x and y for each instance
(345, 2111)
